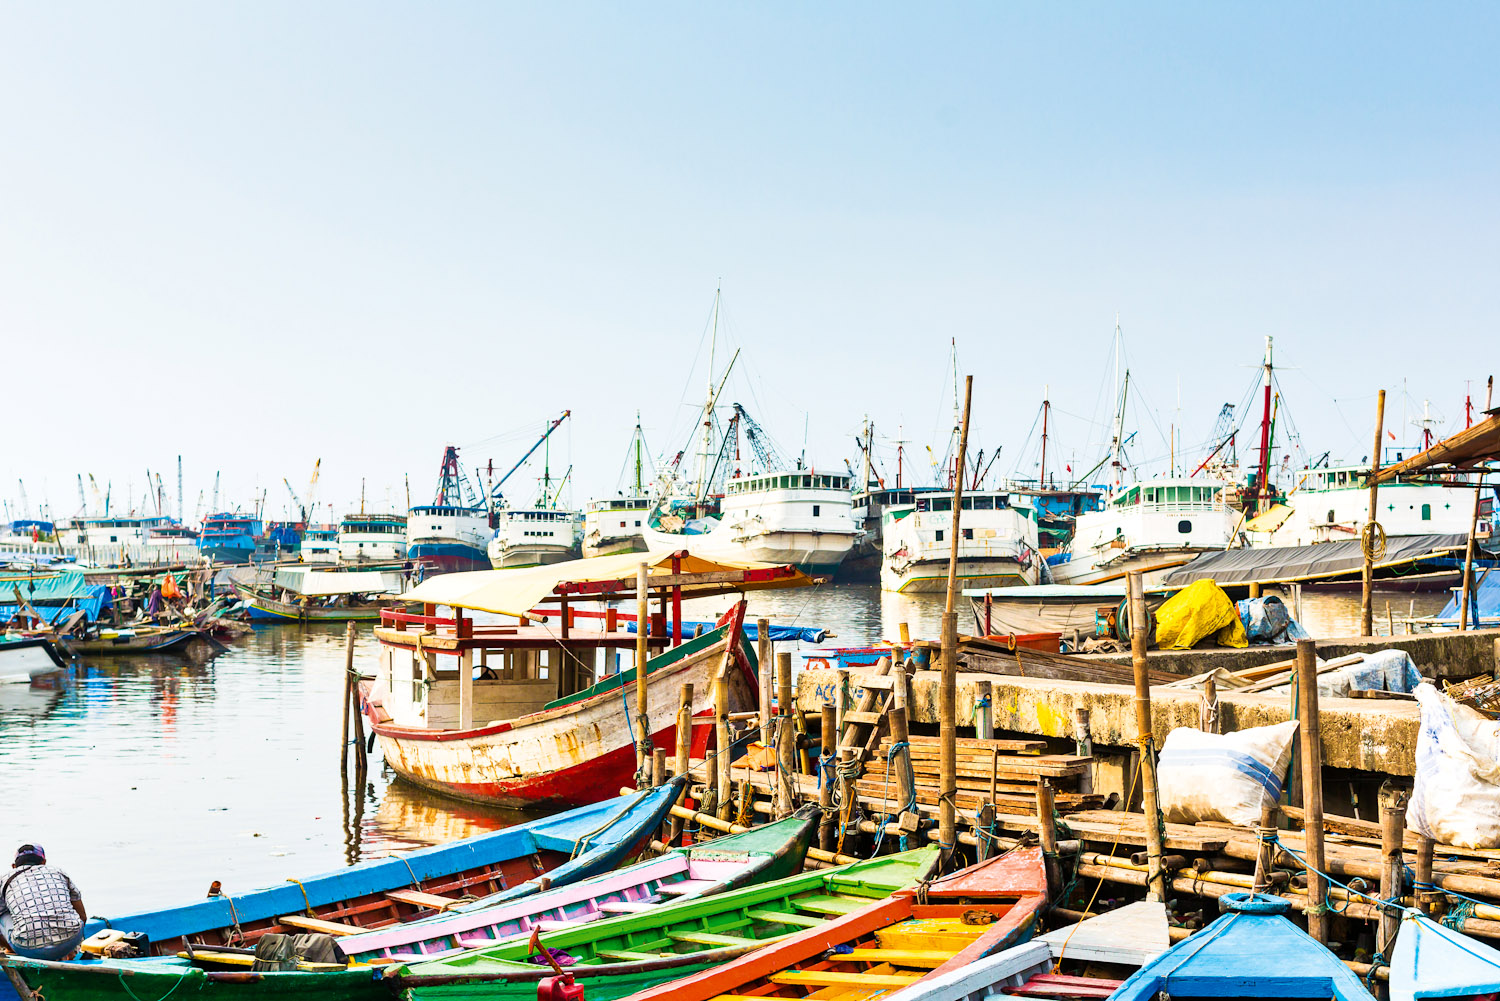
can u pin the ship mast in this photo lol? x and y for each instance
(640, 488)
(1261, 491)
(1118, 445)
(1046, 408)
(706, 448)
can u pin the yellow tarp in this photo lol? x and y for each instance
(1270, 519)
(518, 591)
(1199, 611)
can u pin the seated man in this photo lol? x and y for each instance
(41, 911)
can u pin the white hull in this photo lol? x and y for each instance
(504, 557)
(22, 665)
(808, 525)
(1152, 527)
(998, 547)
(1153, 564)
(609, 547)
(931, 576)
(1338, 514)
(809, 550)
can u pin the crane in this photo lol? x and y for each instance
(760, 443)
(25, 507)
(312, 491)
(213, 506)
(495, 493)
(83, 503)
(1224, 432)
(100, 504)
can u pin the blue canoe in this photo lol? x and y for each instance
(499, 866)
(1251, 951)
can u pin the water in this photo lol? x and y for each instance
(150, 777)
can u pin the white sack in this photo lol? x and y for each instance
(1456, 800)
(1228, 777)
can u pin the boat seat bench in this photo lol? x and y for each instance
(709, 938)
(626, 906)
(1056, 985)
(318, 925)
(824, 904)
(624, 956)
(929, 959)
(835, 978)
(420, 898)
(785, 918)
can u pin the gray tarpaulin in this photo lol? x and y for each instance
(1295, 563)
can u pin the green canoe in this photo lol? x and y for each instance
(618, 956)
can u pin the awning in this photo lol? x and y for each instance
(516, 592)
(1285, 564)
(53, 595)
(1471, 446)
(319, 583)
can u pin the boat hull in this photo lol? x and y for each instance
(234, 555)
(28, 661)
(266, 609)
(615, 544)
(513, 557)
(1153, 565)
(576, 752)
(448, 557)
(931, 577)
(172, 641)
(810, 552)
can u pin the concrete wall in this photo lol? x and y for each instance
(1452, 655)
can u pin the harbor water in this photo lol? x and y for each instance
(148, 778)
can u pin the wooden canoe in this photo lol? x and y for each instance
(579, 748)
(888, 945)
(146, 640)
(265, 608)
(618, 956)
(762, 854)
(503, 865)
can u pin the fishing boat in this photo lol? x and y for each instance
(1152, 527)
(113, 539)
(888, 945)
(171, 543)
(535, 536)
(618, 956)
(613, 524)
(999, 545)
(28, 661)
(231, 537)
(1433, 961)
(1252, 950)
(302, 594)
(106, 641)
(371, 538)
(450, 534)
(759, 855)
(207, 945)
(530, 738)
(1087, 960)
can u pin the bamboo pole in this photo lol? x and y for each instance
(846, 790)
(722, 786)
(1312, 786)
(984, 720)
(1367, 578)
(767, 667)
(1423, 876)
(826, 735)
(1047, 828)
(349, 695)
(786, 744)
(900, 757)
(726, 827)
(1156, 882)
(948, 693)
(1392, 833)
(658, 766)
(1265, 851)
(1463, 600)
(642, 707)
(684, 747)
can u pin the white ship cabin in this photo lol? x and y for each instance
(1161, 515)
(112, 538)
(803, 501)
(367, 537)
(618, 516)
(1331, 505)
(320, 544)
(536, 526)
(431, 522)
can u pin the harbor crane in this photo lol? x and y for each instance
(305, 509)
(760, 443)
(495, 491)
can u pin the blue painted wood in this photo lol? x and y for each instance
(1251, 951)
(601, 836)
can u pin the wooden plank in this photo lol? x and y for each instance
(929, 959)
(834, 978)
(418, 898)
(823, 904)
(784, 918)
(708, 938)
(861, 718)
(623, 956)
(1003, 744)
(319, 925)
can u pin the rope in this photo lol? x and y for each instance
(910, 806)
(237, 933)
(1119, 835)
(310, 912)
(1372, 541)
(416, 884)
(132, 993)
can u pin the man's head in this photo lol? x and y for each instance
(30, 855)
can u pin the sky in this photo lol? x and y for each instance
(257, 235)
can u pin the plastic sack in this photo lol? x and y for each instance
(1267, 620)
(1199, 611)
(1380, 671)
(1456, 798)
(1228, 777)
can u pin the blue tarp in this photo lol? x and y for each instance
(54, 596)
(1267, 620)
(779, 634)
(1486, 596)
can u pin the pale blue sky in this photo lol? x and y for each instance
(256, 234)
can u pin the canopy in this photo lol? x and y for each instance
(1293, 563)
(1045, 608)
(318, 583)
(1480, 443)
(53, 595)
(1432, 961)
(517, 591)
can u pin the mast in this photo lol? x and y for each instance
(706, 449)
(640, 488)
(181, 514)
(1046, 408)
(1118, 445)
(900, 451)
(869, 443)
(1265, 430)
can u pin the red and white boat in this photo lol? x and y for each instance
(550, 716)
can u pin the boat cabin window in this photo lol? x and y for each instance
(942, 503)
(984, 503)
(1184, 526)
(1343, 479)
(1426, 512)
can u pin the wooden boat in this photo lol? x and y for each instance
(304, 594)
(1250, 951)
(1431, 961)
(1083, 961)
(773, 851)
(208, 945)
(571, 749)
(108, 642)
(890, 944)
(618, 956)
(29, 661)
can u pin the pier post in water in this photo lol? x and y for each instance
(1156, 883)
(349, 695)
(1367, 537)
(1393, 868)
(1312, 787)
